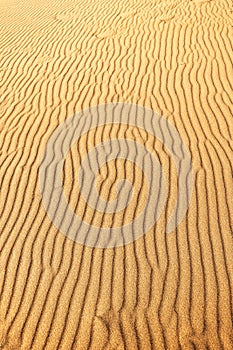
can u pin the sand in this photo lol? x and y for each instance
(161, 291)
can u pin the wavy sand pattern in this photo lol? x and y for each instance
(161, 291)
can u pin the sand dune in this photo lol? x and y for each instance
(161, 291)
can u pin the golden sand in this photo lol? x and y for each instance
(161, 291)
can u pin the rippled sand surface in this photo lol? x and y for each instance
(161, 291)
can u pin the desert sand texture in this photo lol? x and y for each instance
(160, 291)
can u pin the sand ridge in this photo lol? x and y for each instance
(159, 292)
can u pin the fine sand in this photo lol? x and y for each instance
(161, 291)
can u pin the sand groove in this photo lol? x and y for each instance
(162, 291)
